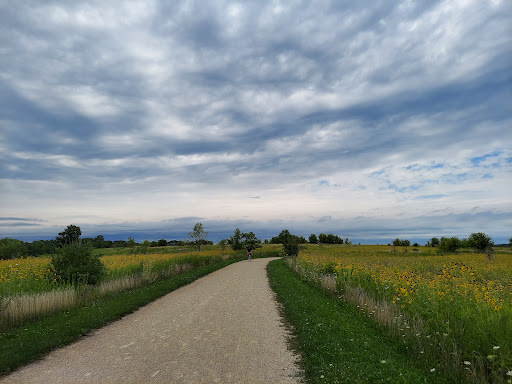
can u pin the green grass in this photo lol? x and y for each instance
(21, 345)
(338, 343)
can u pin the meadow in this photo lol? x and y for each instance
(453, 311)
(27, 293)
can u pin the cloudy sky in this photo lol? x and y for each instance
(370, 119)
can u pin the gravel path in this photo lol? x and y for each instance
(223, 328)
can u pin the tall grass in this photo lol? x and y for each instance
(26, 292)
(453, 311)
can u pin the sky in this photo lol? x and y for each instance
(371, 120)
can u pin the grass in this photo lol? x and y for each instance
(337, 342)
(33, 340)
(453, 311)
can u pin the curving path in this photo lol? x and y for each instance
(223, 328)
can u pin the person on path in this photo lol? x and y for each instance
(249, 253)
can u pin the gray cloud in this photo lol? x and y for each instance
(131, 109)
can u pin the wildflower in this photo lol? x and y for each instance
(467, 362)
(509, 373)
(383, 361)
(496, 347)
(433, 370)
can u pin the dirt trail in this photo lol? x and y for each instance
(223, 328)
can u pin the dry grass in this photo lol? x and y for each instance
(16, 309)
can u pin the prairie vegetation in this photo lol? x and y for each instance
(453, 312)
(29, 291)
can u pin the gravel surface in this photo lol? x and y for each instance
(223, 328)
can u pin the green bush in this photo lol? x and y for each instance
(480, 242)
(12, 248)
(75, 264)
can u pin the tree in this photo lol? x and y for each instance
(510, 241)
(162, 243)
(480, 242)
(70, 235)
(223, 243)
(313, 239)
(198, 236)
(322, 238)
(131, 245)
(74, 263)
(250, 240)
(401, 243)
(449, 244)
(236, 240)
(12, 248)
(434, 241)
(144, 247)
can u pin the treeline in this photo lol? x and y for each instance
(478, 241)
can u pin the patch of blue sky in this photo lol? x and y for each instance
(487, 176)
(418, 167)
(478, 159)
(403, 189)
(428, 197)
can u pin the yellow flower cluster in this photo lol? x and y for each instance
(406, 278)
(31, 268)
(30, 273)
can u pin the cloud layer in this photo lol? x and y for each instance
(381, 117)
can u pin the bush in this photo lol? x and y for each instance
(480, 242)
(12, 248)
(75, 264)
(449, 244)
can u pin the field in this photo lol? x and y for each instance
(27, 293)
(453, 311)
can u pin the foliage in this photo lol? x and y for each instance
(337, 342)
(70, 235)
(223, 243)
(144, 247)
(162, 243)
(449, 244)
(459, 305)
(131, 244)
(250, 240)
(241, 240)
(198, 236)
(12, 248)
(75, 264)
(313, 239)
(290, 243)
(480, 242)
(236, 240)
(329, 239)
(401, 243)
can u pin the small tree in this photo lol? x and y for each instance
(75, 264)
(434, 242)
(236, 240)
(198, 236)
(313, 239)
(131, 244)
(223, 243)
(449, 244)
(162, 243)
(480, 242)
(70, 235)
(12, 248)
(144, 247)
(250, 240)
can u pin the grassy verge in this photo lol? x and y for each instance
(22, 345)
(338, 343)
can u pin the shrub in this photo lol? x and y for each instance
(75, 264)
(449, 244)
(480, 242)
(12, 248)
